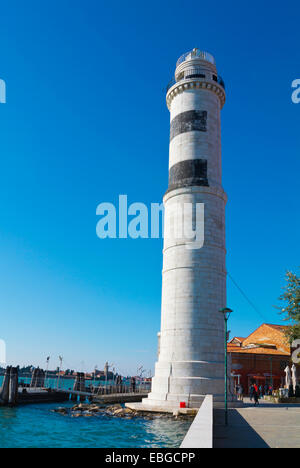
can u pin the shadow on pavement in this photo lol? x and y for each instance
(264, 404)
(238, 433)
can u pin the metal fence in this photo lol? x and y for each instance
(96, 387)
(121, 389)
(197, 53)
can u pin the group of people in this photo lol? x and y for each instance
(258, 392)
(255, 392)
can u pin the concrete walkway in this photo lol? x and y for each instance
(266, 426)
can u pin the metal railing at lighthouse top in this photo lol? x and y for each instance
(195, 72)
(197, 53)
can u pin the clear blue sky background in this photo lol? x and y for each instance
(86, 120)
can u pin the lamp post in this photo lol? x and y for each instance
(226, 312)
(47, 368)
(59, 369)
(271, 371)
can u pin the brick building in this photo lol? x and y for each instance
(261, 356)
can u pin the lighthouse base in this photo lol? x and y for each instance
(158, 406)
(173, 390)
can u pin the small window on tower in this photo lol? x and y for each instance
(195, 75)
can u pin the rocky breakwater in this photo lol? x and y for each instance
(117, 411)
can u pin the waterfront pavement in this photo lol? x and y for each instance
(267, 426)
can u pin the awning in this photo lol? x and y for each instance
(263, 377)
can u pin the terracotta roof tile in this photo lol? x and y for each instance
(276, 352)
(268, 339)
(277, 327)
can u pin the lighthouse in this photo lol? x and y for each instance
(190, 361)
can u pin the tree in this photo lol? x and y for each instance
(291, 307)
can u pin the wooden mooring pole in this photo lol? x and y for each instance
(13, 386)
(4, 391)
(9, 388)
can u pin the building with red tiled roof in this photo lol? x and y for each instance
(262, 356)
(237, 341)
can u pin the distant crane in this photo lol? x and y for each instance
(141, 371)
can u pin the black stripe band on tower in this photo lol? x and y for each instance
(187, 122)
(188, 173)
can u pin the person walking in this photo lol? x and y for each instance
(240, 393)
(256, 395)
(266, 389)
(133, 384)
(251, 392)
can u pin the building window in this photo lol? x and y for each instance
(195, 75)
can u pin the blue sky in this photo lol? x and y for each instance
(86, 120)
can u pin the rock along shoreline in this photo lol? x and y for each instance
(89, 410)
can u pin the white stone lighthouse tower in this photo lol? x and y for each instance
(191, 341)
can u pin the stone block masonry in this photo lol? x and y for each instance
(191, 340)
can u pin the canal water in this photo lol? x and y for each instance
(36, 426)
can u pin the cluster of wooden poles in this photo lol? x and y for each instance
(38, 378)
(79, 384)
(9, 388)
